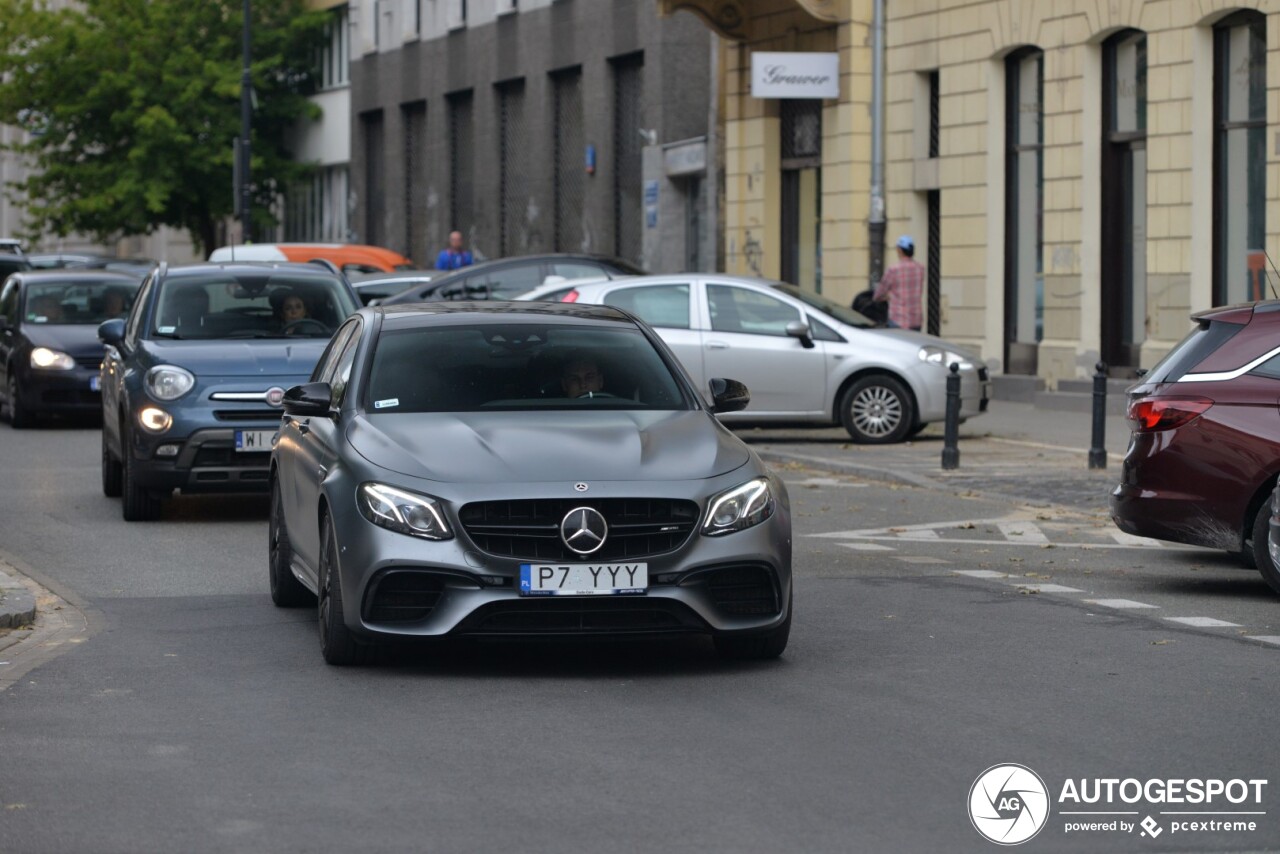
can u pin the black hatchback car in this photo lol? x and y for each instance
(193, 381)
(507, 277)
(49, 348)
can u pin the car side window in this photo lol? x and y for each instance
(656, 305)
(743, 310)
(342, 367)
(821, 332)
(324, 368)
(514, 280)
(577, 269)
(9, 302)
(1269, 369)
(134, 323)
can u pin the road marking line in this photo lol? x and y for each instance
(859, 533)
(927, 534)
(1274, 639)
(868, 547)
(1119, 603)
(1048, 588)
(1203, 622)
(919, 559)
(1130, 540)
(981, 573)
(1022, 532)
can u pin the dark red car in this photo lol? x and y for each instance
(1205, 444)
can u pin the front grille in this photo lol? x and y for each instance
(272, 415)
(529, 529)
(93, 362)
(742, 591)
(215, 456)
(589, 615)
(402, 596)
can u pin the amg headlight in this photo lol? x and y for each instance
(402, 511)
(739, 508)
(943, 358)
(51, 360)
(167, 382)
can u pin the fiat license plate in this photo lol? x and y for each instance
(583, 579)
(255, 440)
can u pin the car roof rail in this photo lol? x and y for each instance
(327, 264)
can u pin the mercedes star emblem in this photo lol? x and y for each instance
(583, 530)
(580, 487)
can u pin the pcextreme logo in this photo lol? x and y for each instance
(1008, 804)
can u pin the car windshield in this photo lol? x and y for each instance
(830, 308)
(267, 304)
(79, 301)
(519, 367)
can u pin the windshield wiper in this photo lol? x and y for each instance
(175, 336)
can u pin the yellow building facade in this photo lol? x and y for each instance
(1078, 175)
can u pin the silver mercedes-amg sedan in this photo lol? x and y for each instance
(521, 469)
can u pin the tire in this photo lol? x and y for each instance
(756, 647)
(286, 590)
(138, 503)
(1259, 546)
(20, 417)
(337, 643)
(877, 410)
(112, 471)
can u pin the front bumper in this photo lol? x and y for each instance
(207, 461)
(73, 391)
(739, 583)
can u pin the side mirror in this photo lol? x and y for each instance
(800, 329)
(111, 332)
(728, 395)
(308, 399)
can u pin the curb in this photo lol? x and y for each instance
(17, 605)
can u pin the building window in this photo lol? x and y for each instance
(317, 210)
(335, 56)
(414, 117)
(1024, 209)
(1124, 198)
(512, 171)
(627, 153)
(801, 149)
(375, 186)
(461, 172)
(570, 170)
(456, 14)
(506, 7)
(1240, 158)
(935, 85)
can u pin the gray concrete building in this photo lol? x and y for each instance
(534, 126)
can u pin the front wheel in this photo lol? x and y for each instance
(112, 471)
(338, 644)
(138, 504)
(1260, 546)
(20, 417)
(877, 410)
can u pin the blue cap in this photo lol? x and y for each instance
(905, 242)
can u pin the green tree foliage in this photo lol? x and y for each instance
(132, 107)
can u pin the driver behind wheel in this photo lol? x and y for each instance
(289, 310)
(581, 377)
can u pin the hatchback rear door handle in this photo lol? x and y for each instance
(717, 345)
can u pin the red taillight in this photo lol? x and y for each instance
(1149, 414)
(572, 296)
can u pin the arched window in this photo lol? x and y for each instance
(1024, 209)
(1239, 158)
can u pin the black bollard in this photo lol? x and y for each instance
(951, 427)
(1098, 450)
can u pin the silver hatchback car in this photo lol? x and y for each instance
(521, 469)
(805, 358)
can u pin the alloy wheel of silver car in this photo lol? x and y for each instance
(877, 410)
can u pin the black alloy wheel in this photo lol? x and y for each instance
(337, 643)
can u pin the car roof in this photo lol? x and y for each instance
(64, 274)
(303, 268)
(413, 315)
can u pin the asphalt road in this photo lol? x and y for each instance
(197, 717)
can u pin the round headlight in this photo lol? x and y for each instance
(154, 419)
(43, 357)
(167, 382)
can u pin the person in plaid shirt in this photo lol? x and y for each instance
(902, 286)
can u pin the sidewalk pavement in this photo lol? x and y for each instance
(17, 606)
(1013, 451)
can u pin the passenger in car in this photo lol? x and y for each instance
(46, 309)
(581, 376)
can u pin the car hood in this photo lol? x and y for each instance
(489, 447)
(80, 339)
(921, 339)
(252, 358)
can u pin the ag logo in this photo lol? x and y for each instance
(1008, 804)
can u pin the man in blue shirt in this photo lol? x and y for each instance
(455, 256)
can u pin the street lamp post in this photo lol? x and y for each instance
(246, 124)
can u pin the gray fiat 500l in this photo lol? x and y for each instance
(521, 469)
